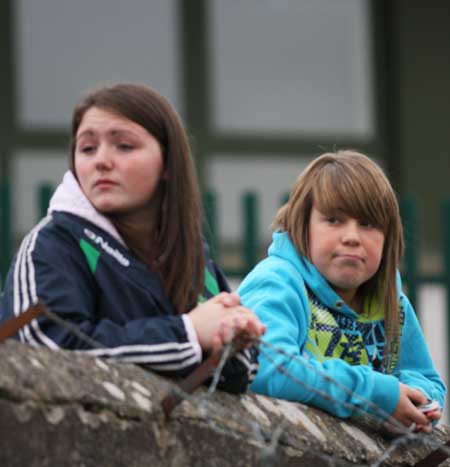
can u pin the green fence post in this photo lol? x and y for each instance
(45, 192)
(5, 231)
(251, 230)
(409, 208)
(211, 223)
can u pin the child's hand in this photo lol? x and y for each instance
(219, 319)
(432, 415)
(408, 414)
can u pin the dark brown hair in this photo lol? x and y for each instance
(181, 258)
(350, 182)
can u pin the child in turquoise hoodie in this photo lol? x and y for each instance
(341, 335)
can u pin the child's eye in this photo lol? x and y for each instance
(125, 147)
(366, 223)
(87, 149)
(332, 220)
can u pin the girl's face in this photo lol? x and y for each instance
(118, 163)
(346, 251)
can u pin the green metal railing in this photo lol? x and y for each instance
(251, 241)
(409, 208)
(250, 244)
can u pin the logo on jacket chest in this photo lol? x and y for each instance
(107, 248)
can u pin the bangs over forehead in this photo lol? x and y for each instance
(354, 188)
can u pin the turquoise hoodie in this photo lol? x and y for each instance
(326, 346)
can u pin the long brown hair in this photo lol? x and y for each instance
(350, 182)
(180, 258)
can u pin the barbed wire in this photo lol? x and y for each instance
(380, 414)
(270, 441)
(405, 434)
(226, 352)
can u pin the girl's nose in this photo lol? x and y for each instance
(103, 159)
(351, 233)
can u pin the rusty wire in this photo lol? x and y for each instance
(270, 441)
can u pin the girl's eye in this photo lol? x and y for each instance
(125, 147)
(366, 223)
(332, 220)
(87, 149)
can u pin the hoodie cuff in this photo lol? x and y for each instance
(386, 394)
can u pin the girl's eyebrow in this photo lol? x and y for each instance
(331, 212)
(84, 133)
(112, 132)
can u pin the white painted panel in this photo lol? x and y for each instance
(29, 170)
(66, 47)
(432, 305)
(292, 65)
(268, 177)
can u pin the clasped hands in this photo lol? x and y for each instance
(222, 317)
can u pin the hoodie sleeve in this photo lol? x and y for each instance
(276, 292)
(416, 368)
(50, 268)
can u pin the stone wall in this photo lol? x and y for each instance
(60, 408)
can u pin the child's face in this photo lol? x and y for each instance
(345, 250)
(118, 163)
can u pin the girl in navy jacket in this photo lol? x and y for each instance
(120, 253)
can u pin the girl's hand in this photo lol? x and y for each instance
(228, 299)
(219, 319)
(434, 415)
(406, 411)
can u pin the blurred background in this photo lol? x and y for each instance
(262, 86)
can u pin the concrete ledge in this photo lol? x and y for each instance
(60, 408)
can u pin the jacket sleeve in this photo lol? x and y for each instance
(277, 294)
(239, 370)
(416, 368)
(51, 269)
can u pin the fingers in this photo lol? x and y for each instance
(231, 299)
(424, 428)
(255, 328)
(245, 320)
(416, 396)
(406, 411)
(434, 415)
(418, 417)
(428, 428)
(220, 318)
(227, 299)
(237, 320)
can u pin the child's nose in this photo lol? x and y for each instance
(351, 233)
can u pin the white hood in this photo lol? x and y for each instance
(69, 197)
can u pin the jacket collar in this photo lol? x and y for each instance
(69, 197)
